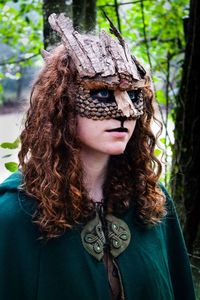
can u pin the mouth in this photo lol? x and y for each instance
(119, 129)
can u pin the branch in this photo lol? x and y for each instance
(117, 15)
(119, 4)
(8, 62)
(145, 34)
(155, 38)
(195, 267)
(114, 30)
(149, 59)
(167, 112)
(193, 256)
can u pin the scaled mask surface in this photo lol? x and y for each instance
(110, 79)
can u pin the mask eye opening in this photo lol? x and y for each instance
(133, 95)
(102, 95)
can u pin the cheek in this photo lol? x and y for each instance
(87, 130)
(82, 130)
(131, 127)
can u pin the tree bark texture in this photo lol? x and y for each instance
(88, 51)
(49, 7)
(186, 181)
(84, 14)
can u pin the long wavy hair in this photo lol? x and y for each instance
(50, 157)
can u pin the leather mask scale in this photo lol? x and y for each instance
(110, 79)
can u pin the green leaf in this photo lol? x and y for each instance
(161, 97)
(11, 166)
(27, 19)
(157, 152)
(162, 140)
(8, 145)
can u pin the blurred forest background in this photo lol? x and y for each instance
(164, 35)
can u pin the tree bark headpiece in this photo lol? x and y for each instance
(110, 78)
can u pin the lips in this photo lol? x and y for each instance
(119, 129)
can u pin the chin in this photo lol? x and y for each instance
(116, 151)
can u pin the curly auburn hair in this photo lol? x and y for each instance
(50, 157)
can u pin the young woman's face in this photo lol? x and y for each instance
(104, 136)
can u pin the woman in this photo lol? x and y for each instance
(85, 217)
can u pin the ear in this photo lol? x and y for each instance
(45, 54)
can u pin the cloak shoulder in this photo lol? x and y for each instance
(10, 212)
(19, 245)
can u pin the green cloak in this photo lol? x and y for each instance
(153, 266)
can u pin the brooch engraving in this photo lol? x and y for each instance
(93, 237)
(118, 235)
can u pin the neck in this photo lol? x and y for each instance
(94, 167)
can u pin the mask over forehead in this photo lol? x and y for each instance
(110, 79)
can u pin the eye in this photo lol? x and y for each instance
(133, 95)
(103, 95)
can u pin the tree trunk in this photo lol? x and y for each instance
(84, 14)
(186, 181)
(49, 7)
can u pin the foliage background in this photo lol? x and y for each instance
(153, 29)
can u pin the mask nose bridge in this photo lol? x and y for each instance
(124, 102)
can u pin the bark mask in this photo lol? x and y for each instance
(110, 79)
